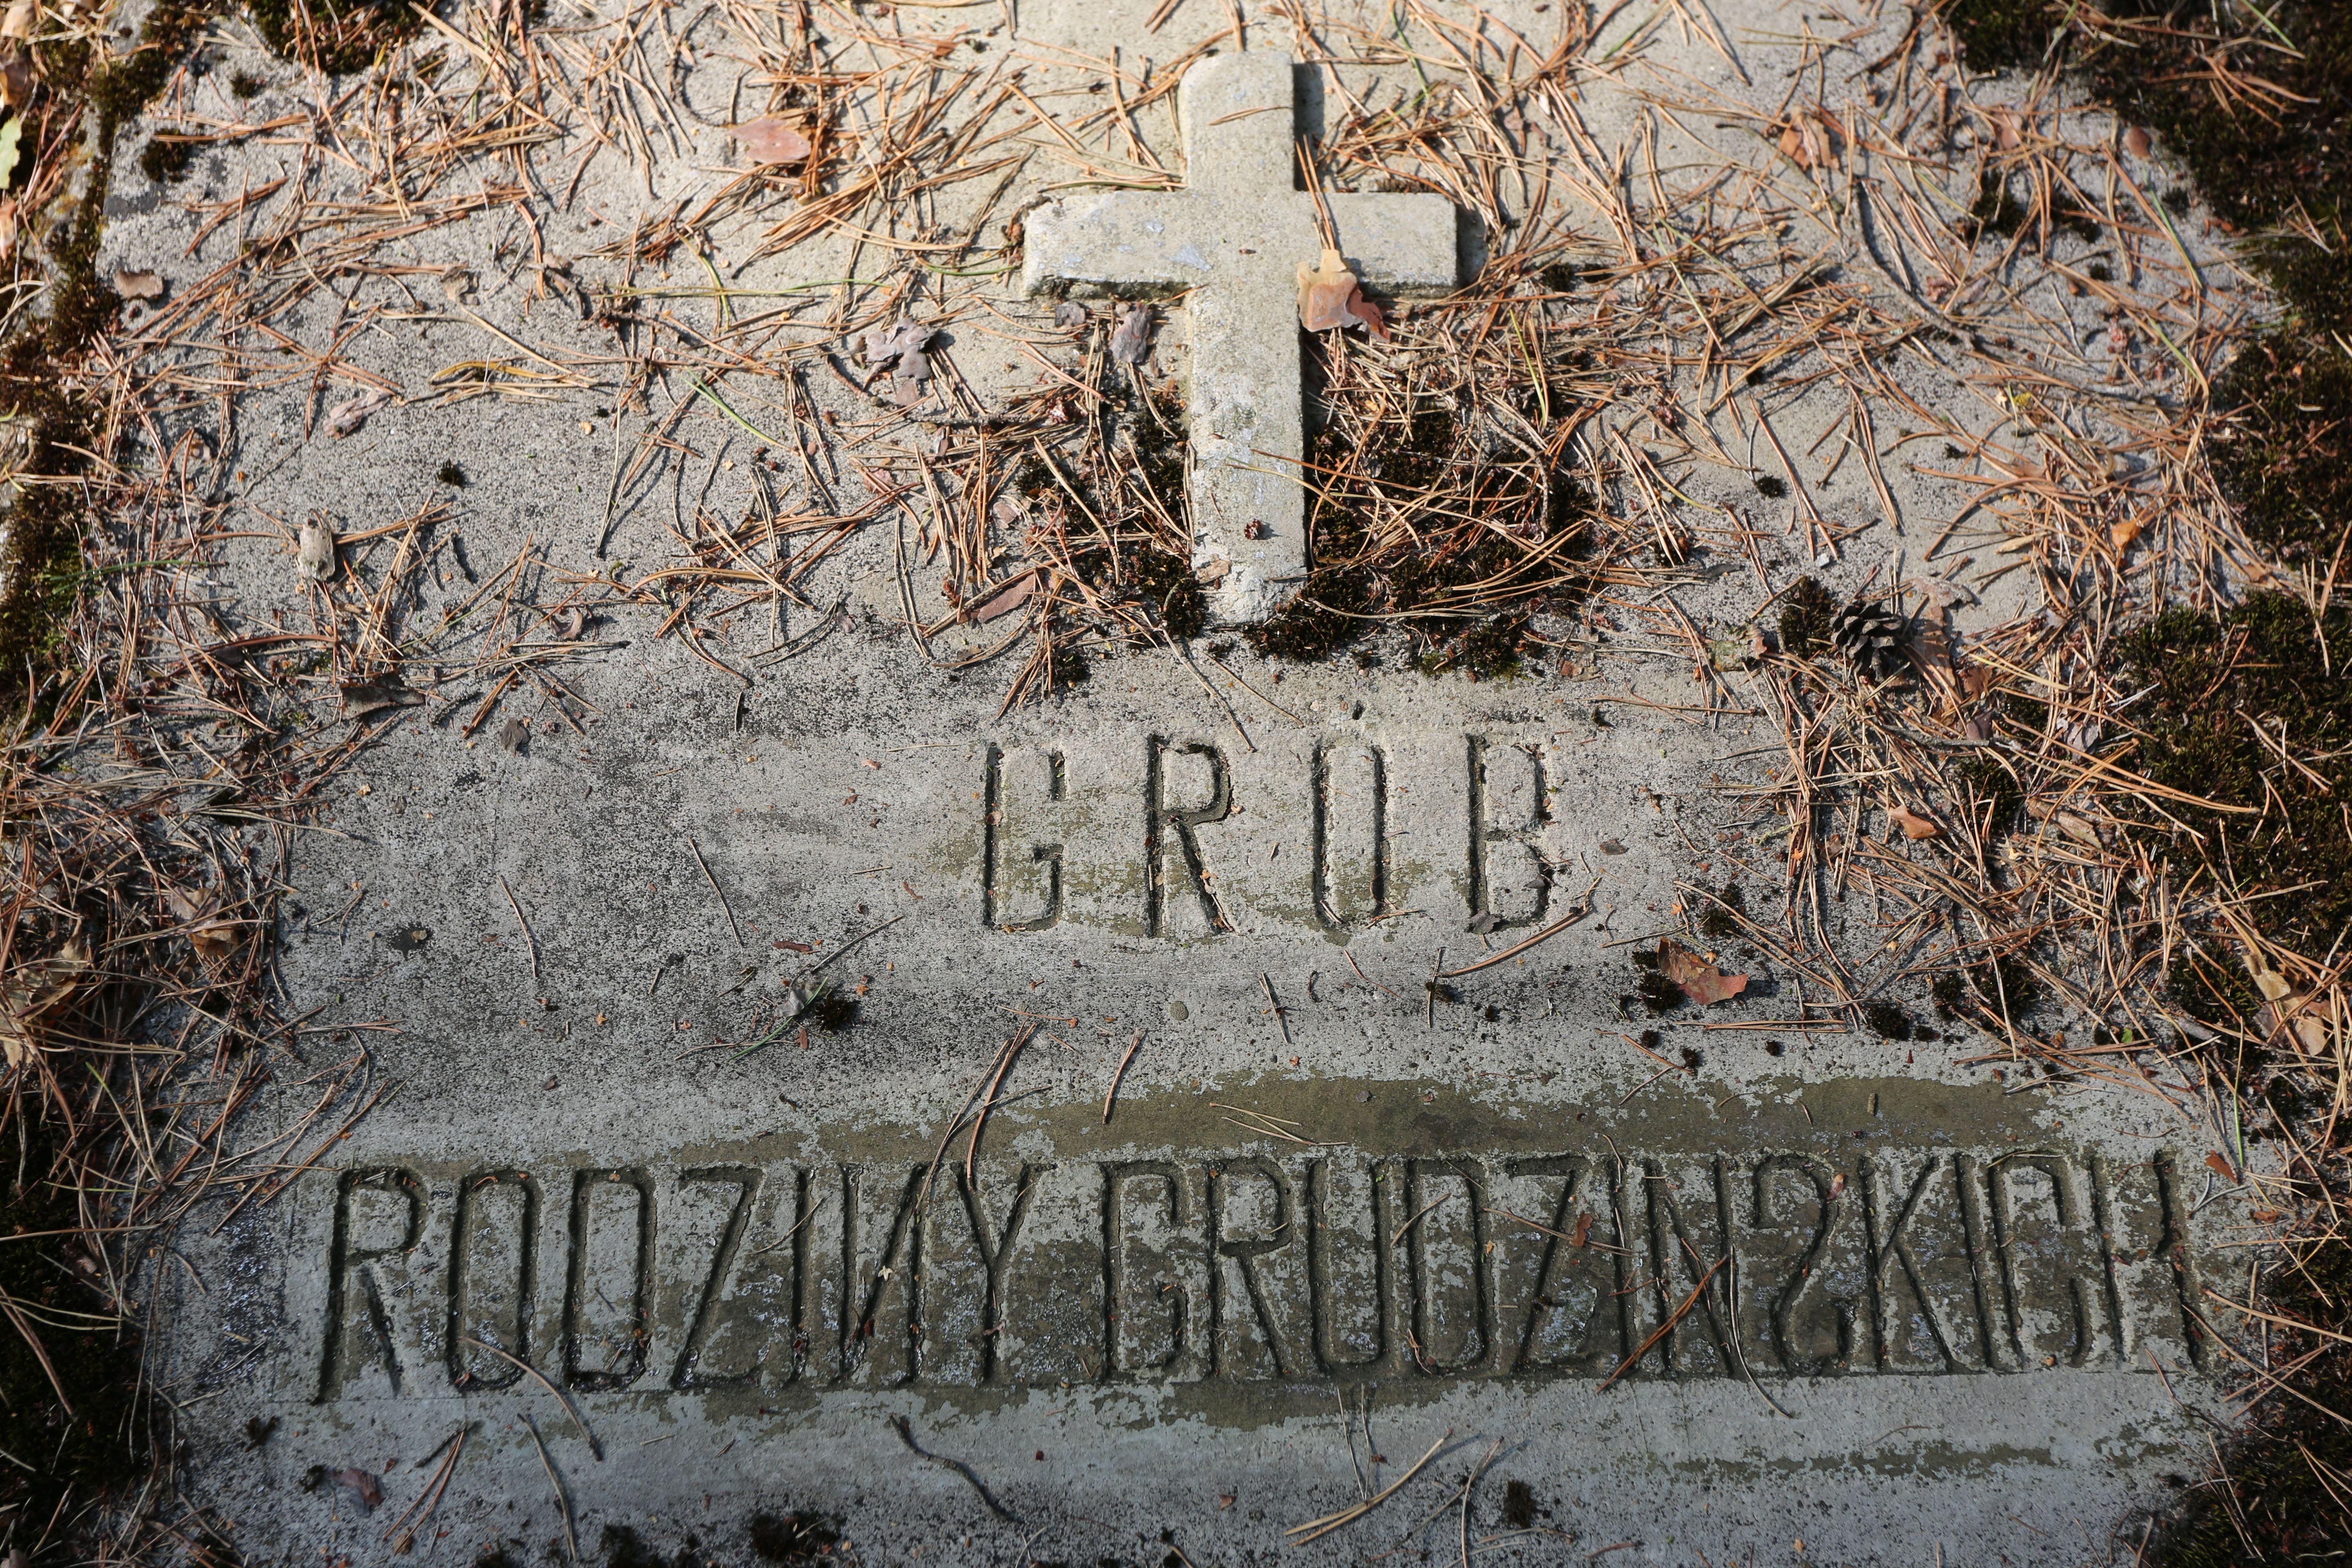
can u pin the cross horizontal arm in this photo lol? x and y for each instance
(1115, 240)
(1404, 242)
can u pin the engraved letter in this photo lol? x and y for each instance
(362, 1198)
(900, 1262)
(1146, 1310)
(1351, 830)
(1819, 1189)
(492, 1278)
(995, 1246)
(612, 1264)
(1361, 1280)
(1274, 1233)
(1510, 884)
(1006, 868)
(1164, 822)
(745, 1179)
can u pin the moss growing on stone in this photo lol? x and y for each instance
(163, 162)
(338, 37)
(1805, 612)
(2288, 459)
(1715, 919)
(1991, 793)
(2212, 681)
(1450, 592)
(2001, 34)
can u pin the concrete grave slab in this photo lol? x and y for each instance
(813, 1101)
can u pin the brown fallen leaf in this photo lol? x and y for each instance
(1369, 314)
(1323, 294)
(41, 990)
(314, 549)
(1912, 825)
(2124, 533)
(1008, 598)
(768, 139)
(346, 417)
(1583, 1230)
(139, 285)
(1810, 141)
(1700, 981)
(2136, 142)
(1132, 340)
(364, 1486)
(2222, 1168)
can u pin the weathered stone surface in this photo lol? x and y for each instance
(675, 1012)
(1883, 1307)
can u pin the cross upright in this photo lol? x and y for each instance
(1235, 235)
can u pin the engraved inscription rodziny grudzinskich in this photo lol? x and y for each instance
(787, 1278)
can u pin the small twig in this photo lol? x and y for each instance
(1316, 1529)
(905, 1431)
(530, 945)
(1549, 931)
(563, 1503)
(594, 1448)
(1275, 1006)
(1120, 1074)
(733, 924)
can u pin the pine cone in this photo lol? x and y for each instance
(1872, 639)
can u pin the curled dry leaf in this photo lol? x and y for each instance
(1369, 314)
(2137, 143)
(1008, 598)
(1132, 342)
(37, 992)
(514, 735)
(1323, 294)
(887, 347)
(18, 21)
(16, 80)
(362, 698)
(2124, 533)
(1811, 141)
(1069, 313)
(361, 1484)
(139, 285)
(458, 284)
(1912, 825)
(771, 141)
(314, 549)
(346, 417)
(1700, 981)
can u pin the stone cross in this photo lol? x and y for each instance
(1235, 236)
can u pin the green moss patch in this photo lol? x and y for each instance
(1389, 547)
(338, 37)
(2213, 684)
(2287, 458)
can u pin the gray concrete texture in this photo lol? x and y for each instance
(658, 1228)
